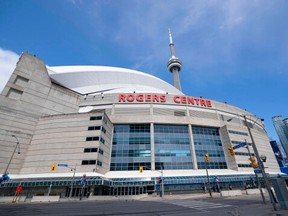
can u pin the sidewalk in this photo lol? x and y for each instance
(171, 196)
(248, 204)
(254, 203)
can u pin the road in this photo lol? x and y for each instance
(204, 206)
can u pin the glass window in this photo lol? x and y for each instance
(93, 118)
(244, 165)
(244, 154)
(99, 163)
(207, 140)
(94, 128)
(131, 147)
(94, 149)
(88, 162)
(238, 132)
(102, 140)
(103, 129)
(92, 138)
(172, 147)
(86, 150)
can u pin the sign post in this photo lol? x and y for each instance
(64, 165)
(239, 145)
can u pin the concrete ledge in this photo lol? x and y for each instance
(254, 191)
(9, 199)
(130, 197)
(133, 197)
(45, 199)
(231, 193)
(102, 198)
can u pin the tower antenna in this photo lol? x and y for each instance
(174, 64)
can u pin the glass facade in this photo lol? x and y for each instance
(172, 147)
(282, 131)
(131, 147)
(207, 140)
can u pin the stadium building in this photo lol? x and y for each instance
(108, 123)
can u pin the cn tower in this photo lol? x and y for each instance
(174, 64)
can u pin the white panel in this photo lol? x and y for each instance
(14, 94)
(202, 114)
(88, 79)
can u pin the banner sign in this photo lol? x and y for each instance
(161, 98)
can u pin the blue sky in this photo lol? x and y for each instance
(232, 51)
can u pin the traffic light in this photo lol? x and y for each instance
(140, 169)
(253, 162)
(207, 157)
(159, 180)
(231, 150)
(53, 167)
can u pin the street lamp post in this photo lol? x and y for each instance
(17, 145)
(257, 179)
(208, 180)
(162, 178)
(261, 166)
(72, 183)
(162, 183)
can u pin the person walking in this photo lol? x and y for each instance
(17, 193)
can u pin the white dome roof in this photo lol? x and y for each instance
(90, 79)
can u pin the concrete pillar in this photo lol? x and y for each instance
(152, 146)
(193, 152)
(113, 109)
(176, 79)
(92, 189)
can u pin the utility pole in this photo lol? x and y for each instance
(208, 180)
(17, 145)
(261, 166)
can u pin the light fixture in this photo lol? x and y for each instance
(263, 158)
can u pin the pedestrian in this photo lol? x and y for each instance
(17, 193)
(204, 188)
(230, 187)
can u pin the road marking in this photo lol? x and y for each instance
(198, 205)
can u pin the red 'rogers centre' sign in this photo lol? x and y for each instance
(161, 98)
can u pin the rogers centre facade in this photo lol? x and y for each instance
(107, 122)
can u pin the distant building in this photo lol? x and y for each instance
(278, 155)
(286, 126)
(281, 127)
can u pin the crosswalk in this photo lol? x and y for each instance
(198, 205)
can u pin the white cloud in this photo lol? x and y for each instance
(74, 2)
(8, 60)
(149, 23)
(206, 33)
